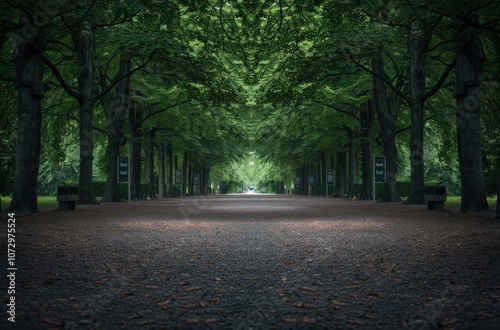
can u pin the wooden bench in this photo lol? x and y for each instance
(435, 197)
(67, 197)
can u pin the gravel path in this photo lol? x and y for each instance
(255, 262)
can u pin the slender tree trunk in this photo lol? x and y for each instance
(28, 58)
(352, 163)
(170, 176)
(470, 58)
(84, 40)
(115, 109)
(387, 111)
(184, 172)
(367, 117)
(150, 175)
(162, 191)
(340, 173)
(418, 44)
(135, 121)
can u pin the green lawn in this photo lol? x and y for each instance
(43, 201)
(454, 201)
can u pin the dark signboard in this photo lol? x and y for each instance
(178, 177)
(311, 179)
(379, 164)
(122, 169)
(329, 177)
(196, 180)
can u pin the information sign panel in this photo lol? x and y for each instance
(329, 177)
(380, 169)
(122, 169)
(178, 177)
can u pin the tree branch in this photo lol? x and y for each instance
(441, 80)
(61, 80)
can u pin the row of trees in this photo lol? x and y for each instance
(83, 67)
(351, 77)
(286, 85)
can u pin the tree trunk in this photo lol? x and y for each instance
(28, 58)
(352, 164)
(340, 174)
(84, 40)
(418, 44)
(470, 58)
(162, 191)
(135, 121)
(150, 175)
(115, 109)
(387, 111)
(170, 176)
(367, 117)
(498, 184)
(184, 173)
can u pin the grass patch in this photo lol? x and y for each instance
(454, 201)
(43, 201)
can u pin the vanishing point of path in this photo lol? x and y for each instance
(255, 262)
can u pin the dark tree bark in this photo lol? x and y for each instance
(498, 184)
(115, 108)
(84, 40)
(367, 117)
(150, 175)
(135, 121)
(340, 174)
(170, 176)
(162, 189)
(419, 39)
(387, 107)
(184, 173)
(28, 58)
(470, 59)
(353, 159)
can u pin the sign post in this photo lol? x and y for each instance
(329, 180)
(124, 172)
(311, 182)
(379, 172)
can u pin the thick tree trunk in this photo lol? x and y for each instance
(367, 117)
(135, 121)
(418, 45)
(115, 109)
(162, 189)
(498, 184)
(84, 40)
(387, 111)
(28, 58)
(470, 58)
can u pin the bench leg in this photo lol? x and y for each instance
(433, 205)
(71, 205)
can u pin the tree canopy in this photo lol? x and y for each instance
(249, 93)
